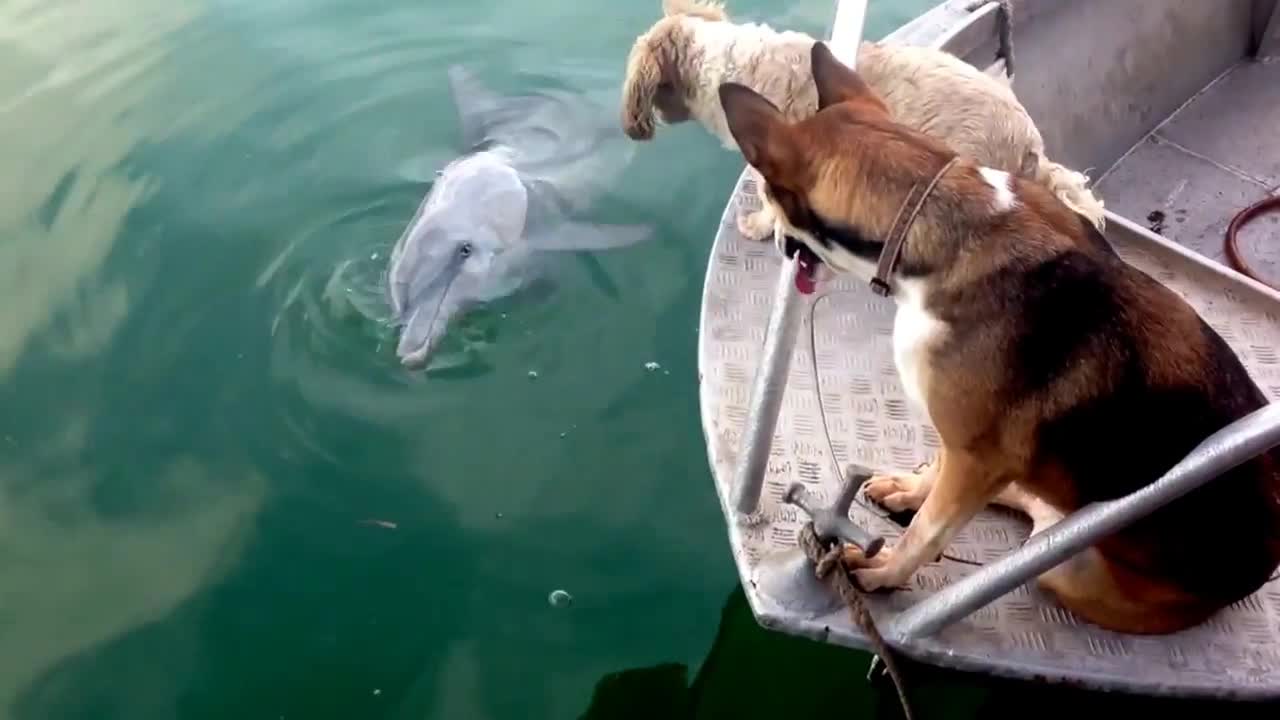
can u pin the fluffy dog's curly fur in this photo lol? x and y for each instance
(675, 69)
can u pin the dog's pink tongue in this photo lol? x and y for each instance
(805, 276)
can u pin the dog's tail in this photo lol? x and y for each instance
(705, 9)
(1072, 188)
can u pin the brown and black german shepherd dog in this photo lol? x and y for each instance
(1055, 373)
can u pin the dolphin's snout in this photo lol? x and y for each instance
(414, 348)
(415, 360)
(424, 328)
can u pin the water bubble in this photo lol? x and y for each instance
(651, 366)
(533, 374)
(373, 256)
(560, 599)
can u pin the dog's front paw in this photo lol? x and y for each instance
(882, 578)
(869, 573)
(756, 225)
(853, 557)
(898, 493)
(874, 573)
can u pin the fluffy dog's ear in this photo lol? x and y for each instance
(759, 129)
(837, 82)
(644, 74)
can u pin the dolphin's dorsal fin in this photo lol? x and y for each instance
(477, 106)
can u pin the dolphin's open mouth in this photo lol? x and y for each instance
(424, 329)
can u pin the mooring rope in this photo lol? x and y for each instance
(828, 567)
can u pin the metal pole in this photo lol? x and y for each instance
(847, 30)
(780, 339)
(1231, 446)
(770, 385)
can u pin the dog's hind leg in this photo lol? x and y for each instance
(1121, 599)
(1104, 593)
(1017, 497)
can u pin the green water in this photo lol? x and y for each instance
(202, 416)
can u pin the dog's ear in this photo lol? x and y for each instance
(644, 74)
(837, 82)
(759, 129)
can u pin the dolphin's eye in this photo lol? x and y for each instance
(465, 250)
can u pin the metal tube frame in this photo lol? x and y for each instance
(770, 385)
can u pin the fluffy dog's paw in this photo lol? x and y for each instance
(898, 493)
(757, 225)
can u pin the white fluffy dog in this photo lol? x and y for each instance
(675, 69)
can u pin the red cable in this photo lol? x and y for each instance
(1244, 216)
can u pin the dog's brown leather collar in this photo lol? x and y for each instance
(901, 226)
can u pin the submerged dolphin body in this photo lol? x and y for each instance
(530, 162)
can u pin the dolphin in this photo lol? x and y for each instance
(529, 163)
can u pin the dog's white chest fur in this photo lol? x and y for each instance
(916, 333)
(1001, 184)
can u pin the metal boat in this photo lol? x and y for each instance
(1173, 107)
